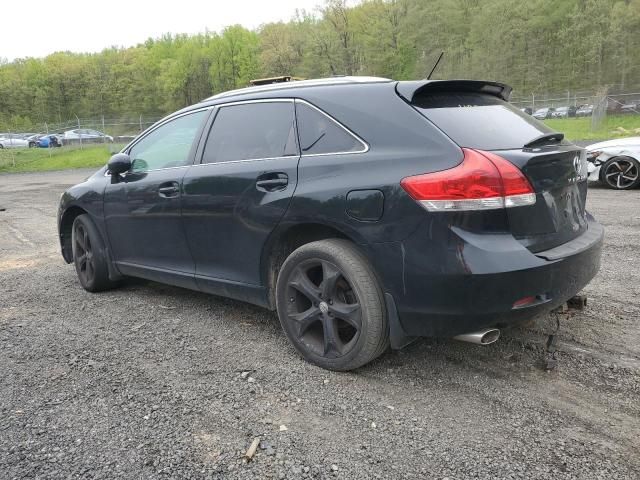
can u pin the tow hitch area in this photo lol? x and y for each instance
(550, 360)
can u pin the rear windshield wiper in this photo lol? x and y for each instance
(546, 139)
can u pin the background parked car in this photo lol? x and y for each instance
(616, 163)
(585, 110)
(13, 140)
(527, 110)
(564, 112)
(630, 108)
(86, 135)
(45, 141)
(543, 113)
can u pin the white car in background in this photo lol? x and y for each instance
(86, 135)
(13, 140)
(616, 163)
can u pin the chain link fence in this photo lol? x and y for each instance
(619, 103)
(76, 133)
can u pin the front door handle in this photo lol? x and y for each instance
(169, 190)
(272, 182)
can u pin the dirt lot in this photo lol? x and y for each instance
(150, 381)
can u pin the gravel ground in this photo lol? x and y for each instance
(151, 381)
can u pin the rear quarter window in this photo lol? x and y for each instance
(320, 134)
(480, 120)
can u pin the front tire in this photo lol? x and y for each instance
(331, 306)
(621, 173)
(89, 255)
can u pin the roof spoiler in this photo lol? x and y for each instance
(409, 89)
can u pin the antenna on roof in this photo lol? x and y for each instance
(436, 65)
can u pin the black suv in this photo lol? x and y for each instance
(366, 211)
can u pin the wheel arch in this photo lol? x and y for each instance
(287, 239)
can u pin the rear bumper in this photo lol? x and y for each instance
(471, 281)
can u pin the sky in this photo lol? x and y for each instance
(36, 28)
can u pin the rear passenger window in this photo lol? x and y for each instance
(252, 131)
(320, 134)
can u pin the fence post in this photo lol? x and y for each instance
(140, 123)
(79, 132)
(533, 101)
(103, 138)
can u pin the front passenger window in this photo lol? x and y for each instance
(168, 145)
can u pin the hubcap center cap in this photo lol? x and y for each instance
(324, 308)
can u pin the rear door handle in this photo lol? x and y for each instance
(272, 182)
(169, 190)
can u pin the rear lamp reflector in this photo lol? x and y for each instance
(523, 302)
(483, 181)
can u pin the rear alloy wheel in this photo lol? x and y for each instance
(89, 256)
(621, 173)
(330, 305)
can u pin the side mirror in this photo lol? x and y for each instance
(119, 163)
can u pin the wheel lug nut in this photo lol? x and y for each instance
(292, 299)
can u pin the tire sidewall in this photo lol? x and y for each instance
(100, 278)
(360, 353)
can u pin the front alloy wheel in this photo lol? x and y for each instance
(621, 173)
(83, 254)
(89, 255)
(330, 305)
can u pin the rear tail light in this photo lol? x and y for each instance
(483, 181)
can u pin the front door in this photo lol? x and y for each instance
(239, 192)
(142, 207)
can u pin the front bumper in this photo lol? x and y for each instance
(472, 281)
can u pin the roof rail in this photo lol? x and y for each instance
(299, 83)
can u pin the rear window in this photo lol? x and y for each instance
(479, 120)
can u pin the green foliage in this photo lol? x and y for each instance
(536, 46)
(42, 159)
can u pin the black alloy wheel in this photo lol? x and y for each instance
(89, 255)
(323, 308)
(331, 306)
(83, 253)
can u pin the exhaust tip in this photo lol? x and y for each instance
(490, 336)
(483, 337)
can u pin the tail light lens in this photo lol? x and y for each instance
(483, 181)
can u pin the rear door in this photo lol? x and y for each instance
(556, 169)
(238, 193)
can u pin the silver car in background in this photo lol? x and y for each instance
(86, 135)
(13, 140)
(616, 163)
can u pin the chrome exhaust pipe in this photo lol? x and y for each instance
(481, 337)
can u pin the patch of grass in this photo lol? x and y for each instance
(614, 126)
(43, 159)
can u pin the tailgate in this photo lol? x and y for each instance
(475, 115)
(558, 175)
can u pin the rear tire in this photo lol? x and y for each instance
(89, 255)
(331, 306)
(621, 173)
